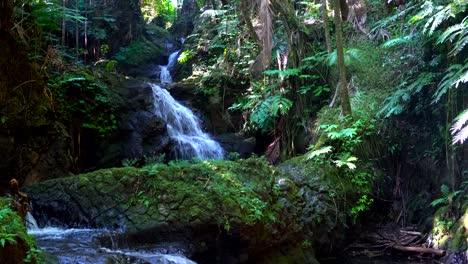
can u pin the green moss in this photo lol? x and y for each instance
(229, 192)
(138, 52)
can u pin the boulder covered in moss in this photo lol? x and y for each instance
(450, 232)
(245, 209)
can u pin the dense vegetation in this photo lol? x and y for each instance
(370, 94)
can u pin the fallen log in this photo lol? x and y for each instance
(423, 250)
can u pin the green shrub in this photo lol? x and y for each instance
(13, 230)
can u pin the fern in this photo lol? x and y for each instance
(319, 152)
(351, 56)
(457, 33)
(444, 13)
(397, 41)
(396, 104)
(284, 73)
(347, 160)
(447, 196)
(454, 75)
(460, 129)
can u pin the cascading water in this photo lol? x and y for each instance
(165, 73)
(80, 246)
(182, 125)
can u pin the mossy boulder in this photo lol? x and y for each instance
(246, 206)
(451, 234)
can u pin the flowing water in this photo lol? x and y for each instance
(183, 126)
(165, 69)
(80, 246)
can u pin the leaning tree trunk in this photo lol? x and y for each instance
(345, 104)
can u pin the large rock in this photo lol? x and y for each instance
(234, 211)
(237, 142)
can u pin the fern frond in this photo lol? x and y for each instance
(454, 75)
(459, 129)
(457, 33)
(319, 152)
(439, 201)
(397, 41)
(444, 13)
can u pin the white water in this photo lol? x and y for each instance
(184, 128)
(182, 125)
(31, 223)
(165, 73)
(80, 246)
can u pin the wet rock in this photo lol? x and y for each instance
(236, 142)
(140, 133)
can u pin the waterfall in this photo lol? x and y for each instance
(182, 125)
(31, 223)
(184, 128)
(165, 73)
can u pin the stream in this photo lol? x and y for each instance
(81, 246)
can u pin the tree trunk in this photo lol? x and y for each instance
(326, 26)
(77, 32)
(345, 104)
(6, 7)
(64, 23)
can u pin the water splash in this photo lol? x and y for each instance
(184, 128)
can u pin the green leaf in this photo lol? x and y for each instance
(319, 152)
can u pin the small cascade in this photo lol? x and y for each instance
(165, 73)
(31, 223)
(184, 128)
